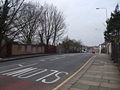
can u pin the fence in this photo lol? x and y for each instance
(115, 52)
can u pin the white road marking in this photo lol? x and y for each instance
(29, 72)
(20, 65)
(25, 71)
(54, 71)
(18, 72)
(57, 58)
(54, 59)
(42, 60)
(56, 75)
(11, 65)
(22, 76)
(18, 68)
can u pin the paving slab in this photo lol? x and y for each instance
(102, 74)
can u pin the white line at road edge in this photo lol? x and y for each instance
(65, 81)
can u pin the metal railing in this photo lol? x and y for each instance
(115, 55)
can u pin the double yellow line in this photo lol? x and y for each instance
(57, 87)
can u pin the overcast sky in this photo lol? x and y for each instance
(83, 21)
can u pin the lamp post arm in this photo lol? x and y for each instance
(106, 12)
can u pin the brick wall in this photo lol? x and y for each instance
(26, 49)
(22, 49)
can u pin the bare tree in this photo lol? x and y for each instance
(52, 25)
(43, 23)
(29, 20)
(8, 15)
(59, 26)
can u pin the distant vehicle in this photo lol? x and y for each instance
(93, 52)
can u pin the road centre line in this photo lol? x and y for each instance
(42, 60)
(65, 81)
(52, 59)
(57, 58)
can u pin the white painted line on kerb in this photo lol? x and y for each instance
(57, 87)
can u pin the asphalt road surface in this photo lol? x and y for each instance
(40, 73)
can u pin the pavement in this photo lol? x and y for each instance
(100, 74)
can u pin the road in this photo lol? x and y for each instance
(40, 73)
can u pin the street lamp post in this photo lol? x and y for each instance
(100, 48)
(105, 10)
